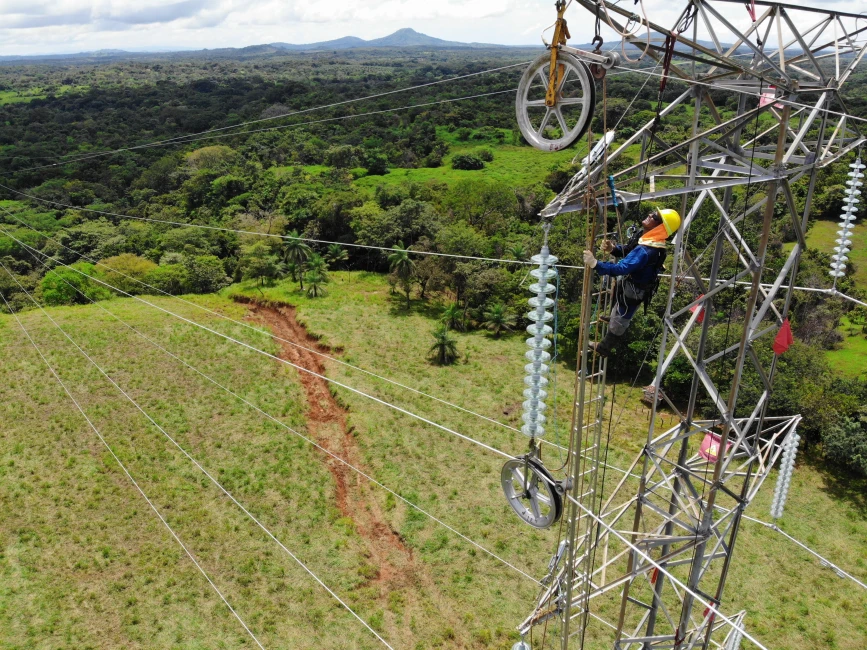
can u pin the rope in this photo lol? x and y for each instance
(192, 137)
(280, 422)
(126, 471)
(395, 407)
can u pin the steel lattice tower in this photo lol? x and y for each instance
(696, 479)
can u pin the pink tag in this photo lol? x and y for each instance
(709, 449)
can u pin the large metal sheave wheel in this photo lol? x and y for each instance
(551, 128)
(530, 490)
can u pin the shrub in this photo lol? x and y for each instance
(206, 274)
(485, 155)
(170, 278)
(467, 161)
(376, 163)
(64, 286)
(845, 443)
(123, 272)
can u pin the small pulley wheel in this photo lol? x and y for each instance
(552, 128)
(597, 70)
(532, 491)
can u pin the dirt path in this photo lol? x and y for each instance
(326, 423)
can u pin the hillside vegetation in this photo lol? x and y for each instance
(321, 226)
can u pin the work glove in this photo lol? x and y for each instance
(589, 260)
(607, 246)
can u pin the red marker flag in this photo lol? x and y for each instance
(784, 338)
(699, 309)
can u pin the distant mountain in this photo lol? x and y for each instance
(402, 38)
(405, 37)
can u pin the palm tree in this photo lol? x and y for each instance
(316, 264)
(453, 317)
(445, 349)
(498, 318)
(336, 254)
(297, 251)
(402, 266)
(517, 252)
(316, 284)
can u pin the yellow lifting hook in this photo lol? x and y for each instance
(557, 70)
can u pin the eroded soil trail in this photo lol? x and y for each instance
(391, 559)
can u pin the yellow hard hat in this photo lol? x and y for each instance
(670, 219)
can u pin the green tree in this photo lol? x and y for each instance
(259, 261)
(206, 273)
(296, 252)
(845, 442)
(336, 254)
(498, 319)
(444, 351)
(316, 282)
(517, 252)
(402, 266)
(65, 286)
(453, 317)
(171, 278)
(126, 272)
(469, 161)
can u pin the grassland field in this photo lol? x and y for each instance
(84, 563)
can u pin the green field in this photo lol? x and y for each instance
(28, 95)
(85, 563)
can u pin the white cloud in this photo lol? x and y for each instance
(40, 26)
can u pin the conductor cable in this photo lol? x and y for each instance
(196, 463)
(286, 426)
(126, 471)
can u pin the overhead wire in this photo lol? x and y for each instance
(296, 124)
(197, 464)
(269, 334)
(129, 476)
(274, 235)
(745, 92)
(34, 253)
(192, 137)
(313, 373)
(832, 292)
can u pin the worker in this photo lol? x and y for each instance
(643, 258)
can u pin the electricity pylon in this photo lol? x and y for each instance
(638, 570)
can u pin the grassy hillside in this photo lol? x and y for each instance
(786, 592)
(86, 564)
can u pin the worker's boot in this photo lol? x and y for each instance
(604, 347)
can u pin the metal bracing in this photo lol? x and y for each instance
(633, 571)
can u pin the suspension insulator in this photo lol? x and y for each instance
(847, 220)
(784, 480)
(539, 330)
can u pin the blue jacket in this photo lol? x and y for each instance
(641, 265)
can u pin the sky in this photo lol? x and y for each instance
(63, 26)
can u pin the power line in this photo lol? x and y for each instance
(281, 423)
(703, 599)
(269, 334)
(320, 121)
(126, 471)
(196, 463)
(830, 292)
(744, 92)
(383, 402)
(821, 559)
(274, 235)
(181, 139)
